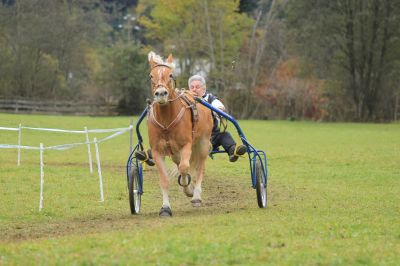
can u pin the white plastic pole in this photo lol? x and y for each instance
(19, 145)
(41, 177)
(99, 170)
(89, 152)
(130, 136)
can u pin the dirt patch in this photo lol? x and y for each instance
(87, 225)
(219, 197)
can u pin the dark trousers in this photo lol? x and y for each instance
(223, 139)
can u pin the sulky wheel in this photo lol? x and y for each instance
(261, 186)
(134, 189)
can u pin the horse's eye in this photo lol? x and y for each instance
(151, 79)
(171, 76)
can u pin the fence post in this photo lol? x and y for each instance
(41, 177)
(130, 136)
(99, 170)
(89, 152)
(19, 145)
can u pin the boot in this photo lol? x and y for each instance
(235, 151)
(145, 157)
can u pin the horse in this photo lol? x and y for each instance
(178, 127)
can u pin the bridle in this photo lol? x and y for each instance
(186, 104)
(151, 113)
(171, 76)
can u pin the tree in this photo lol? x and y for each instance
(125, 77)
(353, 42)
(205, 36)
(248, 6)
(262, 53)
(45, 42)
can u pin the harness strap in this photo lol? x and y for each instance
(186, 105)
(173, 123)
(164, 65)
(193, 111)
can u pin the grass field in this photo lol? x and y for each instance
(333, 199)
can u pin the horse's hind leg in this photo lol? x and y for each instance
(196, 199)
(201, 161)
(164, 183)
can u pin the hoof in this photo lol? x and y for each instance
(165, 212)
(196, 202)
(188, 191)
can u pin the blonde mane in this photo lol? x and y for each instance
(158, 60)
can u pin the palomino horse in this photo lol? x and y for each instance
(178, 128)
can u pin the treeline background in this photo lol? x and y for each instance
(335, 60)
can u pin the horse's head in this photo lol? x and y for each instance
(162, 80)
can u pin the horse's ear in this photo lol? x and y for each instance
(170, 59)
(151, 57)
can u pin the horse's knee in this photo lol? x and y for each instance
(184, 167)
(164, 182)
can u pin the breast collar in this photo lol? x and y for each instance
(186, 104)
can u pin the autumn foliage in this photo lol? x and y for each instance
(289, 93)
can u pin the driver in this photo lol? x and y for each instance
(197, 85)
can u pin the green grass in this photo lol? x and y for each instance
(334, 199)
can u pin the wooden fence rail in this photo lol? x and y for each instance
(56, 107)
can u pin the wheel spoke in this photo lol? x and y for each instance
(260, 185)
(134, 190)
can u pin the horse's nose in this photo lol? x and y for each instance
(161, 92)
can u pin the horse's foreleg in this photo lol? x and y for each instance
(183, 167)
(164, 182)
(184, 164)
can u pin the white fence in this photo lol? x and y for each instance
(116, 132)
